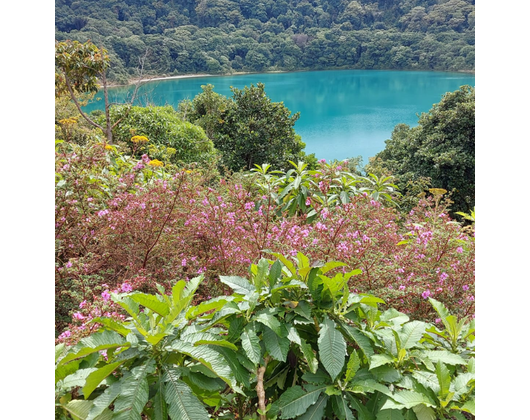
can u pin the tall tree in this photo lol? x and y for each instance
(441, 147)
(79, 67)
(249, 128)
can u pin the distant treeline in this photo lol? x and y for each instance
(225, 36)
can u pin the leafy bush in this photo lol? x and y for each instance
(290, 342)
(166, 132)
(121, 220)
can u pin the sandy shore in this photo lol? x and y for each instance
(187, 76)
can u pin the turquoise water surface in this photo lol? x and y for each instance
(343, 113)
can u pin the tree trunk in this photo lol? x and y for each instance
(260, 390)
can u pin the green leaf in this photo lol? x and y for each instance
(332, 348)
(409, 399)
(160, 411)
(443, 356)
(134, 393)
(469, 406)
(94, 379)
(102, 402)
(356, 336)
(411, 334)
(276, 346)
(79, 408)
(341, 408)
(210, 358)
(295, 400)
(390, 415)
(60, 349)
(238, 284)
(112, 325)
(444, 378)
(309, 354)
(151, 302)
(316, 411)
(352, 367)
(250, 343)
(424, 413)
(96, 342)
(78, 378)
(267, 318)
(182, 403)
(380, 360)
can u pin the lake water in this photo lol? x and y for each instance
(343, 113)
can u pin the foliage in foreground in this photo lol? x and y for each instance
(123, 222)
(290, 342)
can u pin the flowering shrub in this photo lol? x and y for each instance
(122, 221)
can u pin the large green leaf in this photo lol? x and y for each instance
(267, 317)
(250, 343)
(79, 409)
(276, 346)
(94, 379)
(357, 337)
(443, 356)
(134, 393)
(208, 357)
(409, 399)
(332, 348)
(152, 302)
(390, 415)
(316, 411)
(411, 334)
(444, 378)
(78, 378)
(341, 408)
(238, 284)
(295, 400)
(309, 355)
(96, 342)
(354, 362)
(424, 413)
(182, 403)
(102, 402)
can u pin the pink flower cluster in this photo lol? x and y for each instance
(180, 227)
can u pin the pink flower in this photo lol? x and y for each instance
(465, 287)
(64, 335)
(82, 304)
(184, 262)
(248, 206)
(78, 315)
(126, 287)
(459, 250)
(105, 295)
(68, 264)
(426, 294)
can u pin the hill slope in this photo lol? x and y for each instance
(225, 36)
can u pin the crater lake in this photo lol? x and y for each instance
(343, 113)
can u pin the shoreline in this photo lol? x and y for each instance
(133, 81)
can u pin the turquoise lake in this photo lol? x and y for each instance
(343, 113)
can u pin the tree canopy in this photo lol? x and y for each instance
(248, 129)
(228, 36)
(441, 147)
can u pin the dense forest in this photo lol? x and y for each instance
(169, 37)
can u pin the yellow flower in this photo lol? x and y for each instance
(109, 147)
(68, 121)
(155, 162)
(139, 139)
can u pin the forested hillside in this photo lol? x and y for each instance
(225, 36)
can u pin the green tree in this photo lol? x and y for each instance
(441, 147)
(79, 67)
(248, 129)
